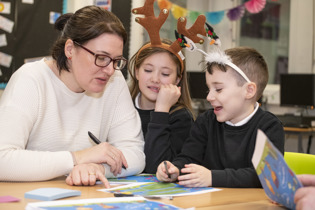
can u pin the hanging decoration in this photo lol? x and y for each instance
(236, 13)
(178, 11)
(255, 6)
(214, 17)
(252, 6)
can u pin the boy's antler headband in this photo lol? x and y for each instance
(153, 25)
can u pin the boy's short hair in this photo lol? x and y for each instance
(251, 62)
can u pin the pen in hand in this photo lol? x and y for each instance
(97, 141)
(168, 174)
(94, 138)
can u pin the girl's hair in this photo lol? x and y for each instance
(85, 24)
(138, 58)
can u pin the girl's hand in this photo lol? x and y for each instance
(168, 96)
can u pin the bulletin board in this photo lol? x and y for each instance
(26, 31)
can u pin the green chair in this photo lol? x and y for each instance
(300, 163)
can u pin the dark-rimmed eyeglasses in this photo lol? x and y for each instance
(102, 60)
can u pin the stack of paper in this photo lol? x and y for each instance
(49, 194)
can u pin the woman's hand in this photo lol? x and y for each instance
(102, 153)
(168, 96)
(87, 174)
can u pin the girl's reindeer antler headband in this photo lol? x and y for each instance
(153, 25)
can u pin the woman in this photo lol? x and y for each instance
(49, 106)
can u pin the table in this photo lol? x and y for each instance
(227, 198)
(300, 132)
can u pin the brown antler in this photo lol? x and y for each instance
(151, 23)
(191, 33)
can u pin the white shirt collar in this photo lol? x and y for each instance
(137, 100)
(244, 121)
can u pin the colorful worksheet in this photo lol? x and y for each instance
(101, 203)
(158, 189)
(278, 180)
(133, 179)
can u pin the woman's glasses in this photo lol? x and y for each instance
(102, 60)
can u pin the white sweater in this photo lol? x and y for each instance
(41, 120)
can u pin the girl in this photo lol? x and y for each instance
(158, 86)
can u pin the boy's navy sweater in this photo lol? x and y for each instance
(227, 150)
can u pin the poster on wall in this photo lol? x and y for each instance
(106, 4)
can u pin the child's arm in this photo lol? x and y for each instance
(162, 175)
(166, 131)
(165, 137)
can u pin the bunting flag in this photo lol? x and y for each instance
(252, 6)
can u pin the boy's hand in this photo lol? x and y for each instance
(161, 174)
(195, 176)
(167, 97)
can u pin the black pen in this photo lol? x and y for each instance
(168, 174)
(98, 142)
(94, 138)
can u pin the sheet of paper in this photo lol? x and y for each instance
(6, 24)
(3, 40)
(278, 180)
(5, 59)
(159, 189)
(28, 1)
(100, 203)
(52, 193)
(132, 179)
(8, 198)
(53, 16)
(5, 7)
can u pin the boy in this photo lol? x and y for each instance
(219, 149)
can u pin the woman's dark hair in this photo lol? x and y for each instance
(85, 24)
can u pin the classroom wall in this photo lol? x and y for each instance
(301, 52)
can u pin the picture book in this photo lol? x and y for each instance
(278, 180)
(49, 194)
(101, 203)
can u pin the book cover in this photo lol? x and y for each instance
(278, 180)
(49, 194)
